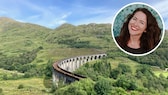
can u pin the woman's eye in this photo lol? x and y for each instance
(134, 18)
(142, 22)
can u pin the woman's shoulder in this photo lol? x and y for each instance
(134, 51)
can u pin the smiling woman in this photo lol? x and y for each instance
(141, 32)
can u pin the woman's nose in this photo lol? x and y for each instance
(136, 23)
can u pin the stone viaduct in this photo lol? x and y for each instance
(62, 70)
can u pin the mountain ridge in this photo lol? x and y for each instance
(6, 19)
(9, 23)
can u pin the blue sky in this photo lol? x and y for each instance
(53, 13)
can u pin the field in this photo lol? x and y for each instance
(28, 86)
(157, 72)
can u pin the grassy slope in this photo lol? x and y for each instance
(9, 73)
(158, 71)
(31, 86)
(16, 38)
(120, 60)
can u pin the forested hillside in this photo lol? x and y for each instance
(83, 36)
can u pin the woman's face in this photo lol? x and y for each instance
(137, 24)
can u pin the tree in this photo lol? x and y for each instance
(48, 68)
(82, 87)
(127, 82)
(121, 69)
(125, 68)
(145, 70)
(115, 73)
(103, 87)
(118, 91)
(103, 68)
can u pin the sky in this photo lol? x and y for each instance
(53, 13)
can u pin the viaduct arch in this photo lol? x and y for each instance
(62, 70)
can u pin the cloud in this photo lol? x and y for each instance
(86, 15)
(54, 13)
(49, 16)
(56, 22)
(161, 6)
(34, 17)
(2, 12)
(66, 15)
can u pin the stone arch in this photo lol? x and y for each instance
(99, 56)
(95, 57)
(87, 60)
(104, 55)
(91, 58)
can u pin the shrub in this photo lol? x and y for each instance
(20, 86)
(1, 91)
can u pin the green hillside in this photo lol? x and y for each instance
(27, 52)
(28, 49)
(84, 36)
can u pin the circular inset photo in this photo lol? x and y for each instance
(138, 29)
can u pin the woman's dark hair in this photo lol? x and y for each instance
(149, 39)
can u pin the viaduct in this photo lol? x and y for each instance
(63, 70)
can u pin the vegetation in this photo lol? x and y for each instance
(1, 91)
(28, 52)
(20, 86)
(19, 63)
(120, 80)
(157, 58)
(83, 36)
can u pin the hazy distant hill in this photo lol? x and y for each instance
(7, 24)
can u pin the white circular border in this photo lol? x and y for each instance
(162, 32)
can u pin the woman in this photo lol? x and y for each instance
(140, 33)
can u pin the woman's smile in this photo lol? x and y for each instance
(134, 28)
